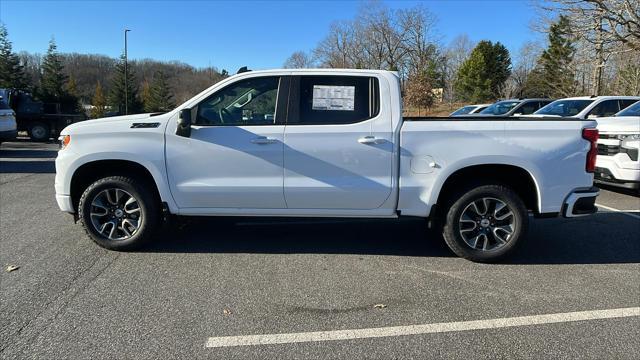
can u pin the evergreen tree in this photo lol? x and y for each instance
(70, 100)
(117, 95)
(99, 103)
(145, 95)
(160, 97)
(52, 84)
(12, 74)
(482, 75)
(554, 74)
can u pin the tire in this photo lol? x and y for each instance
(485, 237)
(107, 201)
(39, 132)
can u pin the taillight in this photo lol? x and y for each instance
(592, 136)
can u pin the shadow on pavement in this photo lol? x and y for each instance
(27, 157)
(35, 167)
(27, 154)
(619, 190)
(601, 239)
(315, 236)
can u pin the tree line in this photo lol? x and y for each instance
(592, 48)
(72, 80)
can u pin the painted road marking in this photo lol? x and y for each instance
(623, 212)
(268, 339)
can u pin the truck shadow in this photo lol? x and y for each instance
(601, 239)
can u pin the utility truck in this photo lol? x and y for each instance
(324, 143)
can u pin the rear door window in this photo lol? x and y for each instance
(333, 100)
(528, 108)
(605, 108)
(624, 103)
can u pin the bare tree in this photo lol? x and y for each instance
(525, 62)
(604, 28)
(454, 55)
(298, 60)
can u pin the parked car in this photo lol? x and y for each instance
(8, 125)
(617, 163)
(469, 109)
(587, 107)
(336, 146)
(514, 107)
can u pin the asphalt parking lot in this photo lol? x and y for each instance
(209, 279)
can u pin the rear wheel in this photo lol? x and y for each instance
(119, 213)
(39, 132)
(485, 223)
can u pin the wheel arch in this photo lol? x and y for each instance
(522, 181)
(91, 171)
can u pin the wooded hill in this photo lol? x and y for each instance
(87, 70)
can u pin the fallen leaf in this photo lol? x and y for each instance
(11, 268)
(227, 312)
(379, 306)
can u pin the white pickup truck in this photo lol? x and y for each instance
(618, 146)
(324, 143)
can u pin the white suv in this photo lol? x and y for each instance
(587, 107)
(618, 146)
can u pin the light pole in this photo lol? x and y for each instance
(126, 75)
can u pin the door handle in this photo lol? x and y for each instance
(263, 140)
(370, 140)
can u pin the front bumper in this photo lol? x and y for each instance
(64, 203)
(630, 181)
(581, 203)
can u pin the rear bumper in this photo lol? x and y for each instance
(581, 203)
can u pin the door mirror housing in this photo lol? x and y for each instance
(184, 123)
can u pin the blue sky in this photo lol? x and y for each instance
(230, 34)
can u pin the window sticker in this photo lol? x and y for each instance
(330, 97)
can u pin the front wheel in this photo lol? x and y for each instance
(486, 223)
(119, 213)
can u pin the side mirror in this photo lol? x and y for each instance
(184, 123)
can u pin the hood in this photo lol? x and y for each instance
(619, 125)
(115, 122)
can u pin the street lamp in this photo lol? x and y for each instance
(126, 75)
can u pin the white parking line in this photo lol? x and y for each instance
(623, 212)
(267, 339)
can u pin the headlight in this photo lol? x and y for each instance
(64, 141)
(631, 145)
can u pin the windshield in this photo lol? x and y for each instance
(500, 108)
(564, 107)
(633, 110)
(463, 110)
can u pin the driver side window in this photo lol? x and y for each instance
(243, 103)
